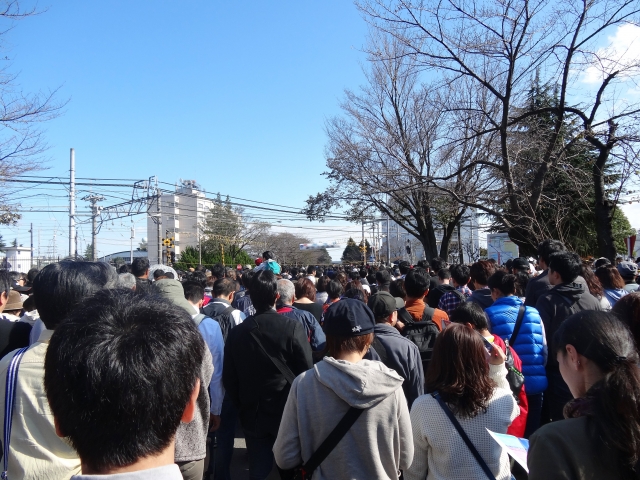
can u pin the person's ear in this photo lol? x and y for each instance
(200, 303)
(57, 427)
(231, 295)
(191, 408)
(469, 325)
(573, 357)
(4, 299)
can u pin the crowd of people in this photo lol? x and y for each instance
(339, 372)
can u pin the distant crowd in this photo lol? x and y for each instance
(340, 372)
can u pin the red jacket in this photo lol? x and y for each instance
(520, 422)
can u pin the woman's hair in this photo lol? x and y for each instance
(505, 282)
(396, 288)
(354, 290)
(593, 283)
(610, 277)
(337, 345)
(608, 343)
(627, 309)
(305, 289)
(334, 289)
(470, 312)
(459, 371)
(322, 284)
(343, 279)
(522, 280)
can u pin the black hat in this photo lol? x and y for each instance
(383, 304)
(348, 318)
(520, 264)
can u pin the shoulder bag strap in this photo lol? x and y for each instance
(331, 441)
(516, 328)
(279, 364)
(199, 318)
(463, 434)
(9, 399)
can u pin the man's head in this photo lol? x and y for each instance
(416, 283)
(334, 289)
(480, 273)
(217, 271)
(348, 325)
(287, 291)
(193, 293)
(5, 288)
(383, 278)
(61, 287)
(460, 274)
(444, 276)
(140, 267)
(268, 255)
(385, 307)
(127, 280)
(120, 376)
(224, 288)
(264, 290)
(471, 314)
(437, 264)
(546, 248)
(520, 265)
(564, 267)
(311, 270)
(246, 279)
(404, 267)
(628, 271)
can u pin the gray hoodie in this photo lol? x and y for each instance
(378, 445)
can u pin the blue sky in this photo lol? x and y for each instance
(232, 94)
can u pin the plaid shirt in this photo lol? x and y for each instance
(450, 300)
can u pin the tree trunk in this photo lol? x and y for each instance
(603, 210)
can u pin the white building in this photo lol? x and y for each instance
(17, 259)
(401, 239)
(182, 216)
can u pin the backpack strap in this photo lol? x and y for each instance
(380, 350)
(9, 399)
(405, 317)
(516, 328)
(279, 364)
(465, 437)
(329, 443)
(199, 318)
(427, 315)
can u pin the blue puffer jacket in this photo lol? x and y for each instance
(528, 345)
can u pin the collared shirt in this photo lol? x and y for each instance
(168, 472)
(212, 335)
(450, 300)
(35, 451)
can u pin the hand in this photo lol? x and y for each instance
(214, 422)
(399, 326)
(496, 356)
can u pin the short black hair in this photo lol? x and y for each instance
(268, 255)
(404, 267)
(383, 277)
(438, 263)
(567, 264)
(416, 283)
(548, 247)
(264, 289)
(139, 266)
(247, 277)
(60, 287)
(334, 289)
(470, 312)
(444, 274)
(119, 374)
(193, 291)
(223, 287)
(31, 275)
(200, 277)
(218, 271)
(503, 281)
(5, 282)
(461, 274)
(310, 269)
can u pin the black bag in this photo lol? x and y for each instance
(423, 333)
(305, 471)
(514, 376)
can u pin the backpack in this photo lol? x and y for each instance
(423, 333)
(224, 319)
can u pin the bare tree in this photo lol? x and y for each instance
(497, 47)
(387, 142)
(22, 142)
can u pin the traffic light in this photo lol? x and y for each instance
(173, 257)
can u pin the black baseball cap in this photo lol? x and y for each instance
(348, 318)
(383, 304)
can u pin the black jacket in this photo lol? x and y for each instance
(221, 313)
(557, 305)
(252, 381)
(540, 285)
(434, 296)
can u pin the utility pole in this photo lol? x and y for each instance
(364, 246)
(72, 203)
(133, 234)
(31, 232)
(95, 210)
(159, 213)
(388, 243)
